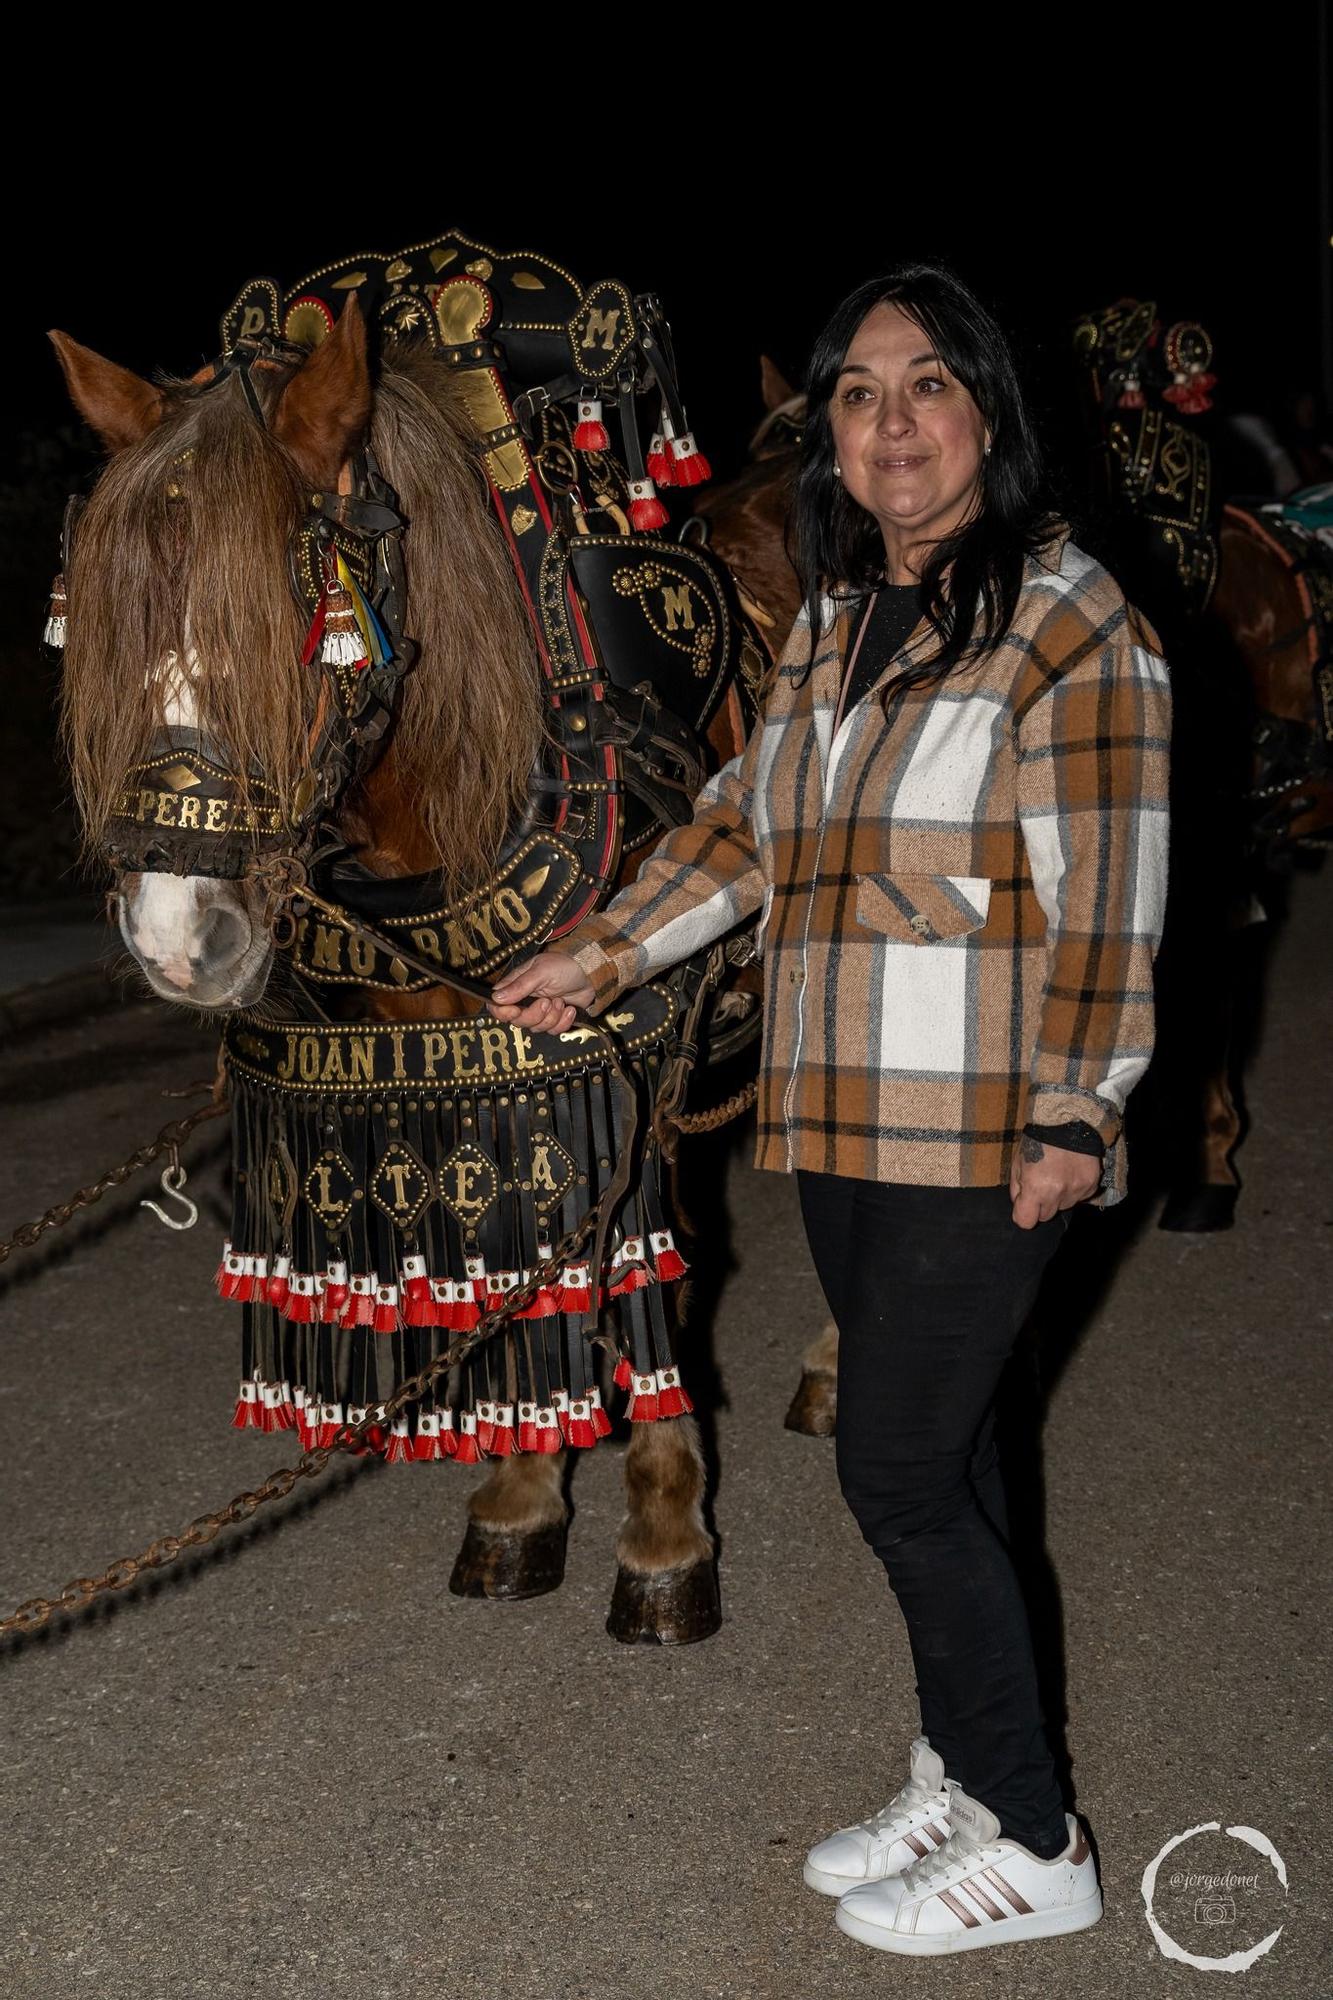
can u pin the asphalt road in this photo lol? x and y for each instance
(298, 1767)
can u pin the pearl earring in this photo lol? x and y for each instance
(837, 470)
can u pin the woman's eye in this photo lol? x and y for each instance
(855, 393)
(930, 383)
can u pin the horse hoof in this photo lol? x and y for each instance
(505, 1565)
(814, 1407)
(1201, 1210)
(672, 1608)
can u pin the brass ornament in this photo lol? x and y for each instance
(469, 1183)
(308, 322)
(400, 1185)
(554, 1171)
(330, 1188)
(280, 1189)
(673, 607)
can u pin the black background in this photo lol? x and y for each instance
(1064, 163)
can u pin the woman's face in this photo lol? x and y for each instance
(906, 433)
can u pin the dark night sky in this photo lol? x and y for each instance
(1190, 175)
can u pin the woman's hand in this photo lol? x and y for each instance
(552, 984)
(1044, 1179)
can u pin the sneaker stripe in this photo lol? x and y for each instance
(959, 1909)
(978, 1895)
(936, 1833)
(918, 1847)
(1007, 1889)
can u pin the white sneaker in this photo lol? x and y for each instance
(911, 1825)
(979, 1888)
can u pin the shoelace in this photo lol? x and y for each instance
(959, 1852)
(911, 1794)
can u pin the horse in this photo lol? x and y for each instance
(183, 638)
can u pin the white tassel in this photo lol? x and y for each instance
(342, 644)
(54, 632)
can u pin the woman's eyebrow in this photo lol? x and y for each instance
(860, 368)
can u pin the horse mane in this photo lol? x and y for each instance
(193, 525)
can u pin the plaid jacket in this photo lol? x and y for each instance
(960, 909)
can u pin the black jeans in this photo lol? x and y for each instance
(929, 1287)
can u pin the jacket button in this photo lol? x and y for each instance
(921, 923)
(793, 976)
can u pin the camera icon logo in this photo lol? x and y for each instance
(1215, 1910)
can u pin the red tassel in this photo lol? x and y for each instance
(360, 1307)
(279, 1287)
(688, 465)
(645, 509)
(418, 1305)
(1189, 393)
(427, 1445)
(385, 1317)
(575, 1288)
(246, 1415)
(658, 464)
(468, 1452)
(486, 1425)
(624, 1373)
(527, 1427)
(502, 1441)
(671, 1398)
(667, 1260)
(254, 1280)
(1131, 397)
(579, 1428)
(643, 1400)
(590, 433)
(401, 1450)
(548, 1430)
(601, 1423)
(229, 1272)
(300, 1306)
(328, 1423)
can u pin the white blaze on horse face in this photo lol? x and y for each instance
(197, 937)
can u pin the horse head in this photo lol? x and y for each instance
(198, 705)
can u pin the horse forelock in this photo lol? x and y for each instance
(181, 554)
(183, 550)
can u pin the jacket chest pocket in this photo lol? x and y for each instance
(922, 909)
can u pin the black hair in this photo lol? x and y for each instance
(834, 544)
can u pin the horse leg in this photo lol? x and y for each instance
(517, 1521)
(666, 1586)
(814, 1407)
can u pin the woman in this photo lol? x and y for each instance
(953, 816)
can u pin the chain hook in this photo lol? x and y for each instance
(173, 1185)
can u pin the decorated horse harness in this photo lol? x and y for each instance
(392, 1180)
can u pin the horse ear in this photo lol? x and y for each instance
(777, 390)
(120, 406)
(325, 408)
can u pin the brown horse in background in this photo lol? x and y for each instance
(181, 615)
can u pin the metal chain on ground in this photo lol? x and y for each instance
(83, 1590)
(169, 1140)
